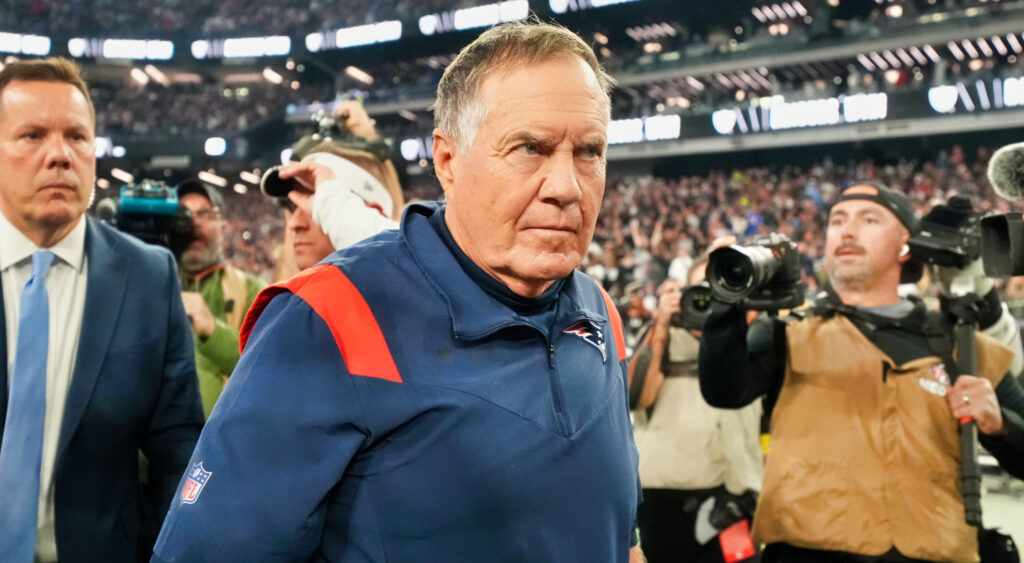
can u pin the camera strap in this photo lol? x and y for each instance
(935, 328)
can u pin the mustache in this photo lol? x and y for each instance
(849, 247)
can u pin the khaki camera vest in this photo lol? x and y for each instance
(866, 454)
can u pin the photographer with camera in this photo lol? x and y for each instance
(866, 451)
(701, 467)
(344, 189)
(216, 294)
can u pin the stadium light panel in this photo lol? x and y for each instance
(200, 48)
(997, 42)
(866, 62)
(314, 42)
(918, 55)
(271, 76)
(625, 131)
(905, 57)
(212, 178)
(359, 74)
(983, 45)
(558, 6)
(269, 46)
(122, 175)
(24, 44)
(215, 146)
(157, 75)
(1014, 43)
(969, 48)
(953, 48)
(76, 47)
(139, 76)
(35, 45)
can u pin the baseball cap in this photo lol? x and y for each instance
(194, 186)
(897, 203)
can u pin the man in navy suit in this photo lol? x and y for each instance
(95, 348)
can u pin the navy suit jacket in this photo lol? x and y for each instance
(134, 387)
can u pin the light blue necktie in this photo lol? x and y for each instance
(22, 448)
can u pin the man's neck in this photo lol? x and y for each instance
(42, 236)
(879, 295)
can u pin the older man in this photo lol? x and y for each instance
(453, 390)
(95, 351)
(865, 456)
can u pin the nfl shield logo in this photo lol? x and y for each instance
(194, 483)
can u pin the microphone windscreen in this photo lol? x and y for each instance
(1006, 172)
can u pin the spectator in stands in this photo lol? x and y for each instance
(216, 295)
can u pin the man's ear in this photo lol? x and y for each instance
(904, 254)
(444, 156)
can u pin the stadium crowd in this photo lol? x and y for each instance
(163, 18)
(183, 110)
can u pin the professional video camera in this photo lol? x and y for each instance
(695, 302)
(764, 276)
(150, 211)
(949, 235)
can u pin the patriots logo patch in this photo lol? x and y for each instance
(194, 483)
(591, 335)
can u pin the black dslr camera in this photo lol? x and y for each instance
(950, 235)
(695, 303)
(149, 210)
(764, 276)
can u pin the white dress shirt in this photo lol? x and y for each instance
(65, 287)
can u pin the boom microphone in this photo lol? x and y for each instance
(1006, 172)
(1002, 236)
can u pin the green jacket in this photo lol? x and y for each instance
(217, 355)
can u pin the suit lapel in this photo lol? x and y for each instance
(3, 364)
(104, 292)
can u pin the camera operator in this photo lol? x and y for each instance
(216, 294)
(690, 452)
(865, 456)
(340, 200)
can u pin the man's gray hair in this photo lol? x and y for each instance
(458, 111)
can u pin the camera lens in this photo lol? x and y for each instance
(735, 272)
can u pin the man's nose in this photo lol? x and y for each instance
(58, 153)
(561, 183)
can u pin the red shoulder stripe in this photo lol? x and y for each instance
(331, 294)
(616, 322)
